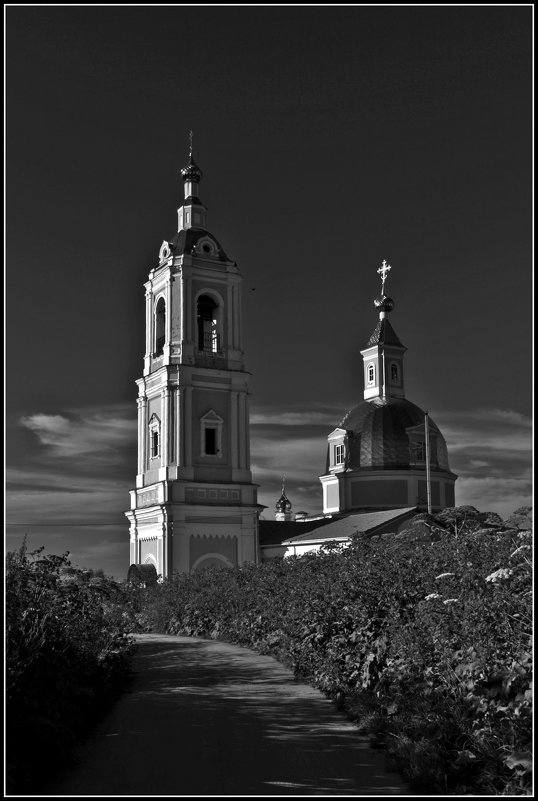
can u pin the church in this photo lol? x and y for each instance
(195, 504)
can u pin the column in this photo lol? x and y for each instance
(165, 414)
(149, 323)
(242, 433)
(180, 456)
(234, 430)
(188, 426)
(139, 434)
(247, 428)
(143, 434)
(230, 333)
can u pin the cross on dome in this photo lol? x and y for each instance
(383, 270)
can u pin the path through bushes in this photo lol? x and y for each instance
(207, 718)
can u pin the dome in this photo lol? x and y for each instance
(283, 505)
(383, 433)
(192, 171)
(384, 303)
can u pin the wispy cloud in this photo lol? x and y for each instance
(79, 433)
(326, 416)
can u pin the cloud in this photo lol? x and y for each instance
(80, 471)
(327, 416)
(98, 432)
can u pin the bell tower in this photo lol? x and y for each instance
(194, 504)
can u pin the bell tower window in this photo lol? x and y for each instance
(339, 454)
(207, 318)
(160, 327)
(371, 374)
(394, 372)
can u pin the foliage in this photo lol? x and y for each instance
(67, 654)
(427, 643)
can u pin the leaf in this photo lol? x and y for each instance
(521, 759)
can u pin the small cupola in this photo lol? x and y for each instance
(192, 212)
(283, 506)
(383, 355)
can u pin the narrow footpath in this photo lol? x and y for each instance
(207, 718)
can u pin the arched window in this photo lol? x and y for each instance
(207, 316)
(371, 373)
(160, 326)
(394, 372)
(154, 437)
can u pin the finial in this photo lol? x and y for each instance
(283, 483)
(192, 171)
(383, 270)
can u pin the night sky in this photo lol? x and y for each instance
(330, 138)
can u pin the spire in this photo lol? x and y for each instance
(191, 213)
(191, 173)
(283, 505)
(383, 355)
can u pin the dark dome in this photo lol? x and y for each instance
(384, 303)
(379, 436)
(192, 171)
(283, 505)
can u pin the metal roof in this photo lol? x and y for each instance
(378, 436)
(384, 334)
(344, 527)
(186, 239)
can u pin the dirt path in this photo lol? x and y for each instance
(207, 718)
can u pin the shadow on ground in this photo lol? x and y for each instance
(208, 718)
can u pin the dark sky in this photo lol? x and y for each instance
(330, 138)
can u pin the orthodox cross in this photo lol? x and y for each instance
(283, 484)
(383, 270)
(191, 136)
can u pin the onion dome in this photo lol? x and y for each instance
(283, 504)
(384, 304)
(385, 433)
(192, 172)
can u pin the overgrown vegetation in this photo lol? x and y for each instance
(423, 637)
(67, 652)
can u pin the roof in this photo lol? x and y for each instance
(378, 436)
(345, 527)
(186, 239)
(383, 334)
(273, 532)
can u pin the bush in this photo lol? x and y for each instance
(67, 653)
(426, 643)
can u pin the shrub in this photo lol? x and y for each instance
(67, 654)
(426, 643)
